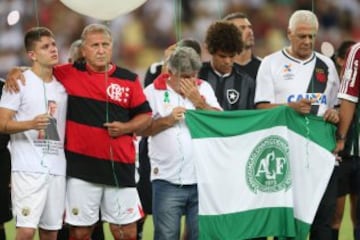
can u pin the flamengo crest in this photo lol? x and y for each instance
(118, 93)
(267, 169)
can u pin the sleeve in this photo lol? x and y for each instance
(208, 93)
(152, 73)
(335, 85)
(149, 93)
(139, 103)
(252, 87)
(11, 101)
(350, 83)
(1, 86)
(61, 71)
(264, 91)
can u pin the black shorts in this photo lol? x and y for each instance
(144, 185)
(348, 176)
(5, 198)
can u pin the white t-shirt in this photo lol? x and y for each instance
(282, 79)
(32, 150)
(170, 151)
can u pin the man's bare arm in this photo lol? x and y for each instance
(303, 106)
(163, 123)
(9, 126)
(136, 124)
(346, 114)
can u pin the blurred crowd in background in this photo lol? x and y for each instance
(142, 35)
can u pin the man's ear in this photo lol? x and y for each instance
(32, 55)
(171, 73)
(289, 34)
(82, 51)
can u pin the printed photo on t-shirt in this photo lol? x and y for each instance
(51, 132)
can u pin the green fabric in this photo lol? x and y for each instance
(242, 227)
(309, 126)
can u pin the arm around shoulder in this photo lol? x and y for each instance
(15, 74)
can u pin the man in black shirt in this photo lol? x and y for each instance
(233, 87)
(247, 61)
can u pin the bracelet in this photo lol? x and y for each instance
(340, 136)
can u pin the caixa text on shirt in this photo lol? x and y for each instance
(317, 98)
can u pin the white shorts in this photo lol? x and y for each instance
(38, 200)
(85, 199)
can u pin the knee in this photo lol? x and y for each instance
(80, 233)
(123, 232)
(47, 234)
(337, 219)
(25, 233)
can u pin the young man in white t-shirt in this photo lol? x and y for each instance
(38, 160)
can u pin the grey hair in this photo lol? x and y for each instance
(74, 51)
(95, 28)
(303, 16)
(184, 60)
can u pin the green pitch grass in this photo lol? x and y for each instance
(148, 230)
(346, 232)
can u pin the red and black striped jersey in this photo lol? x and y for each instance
(94, 99)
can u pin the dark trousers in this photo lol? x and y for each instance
(321, 226)
(357, 227)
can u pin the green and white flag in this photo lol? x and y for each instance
(260, 173)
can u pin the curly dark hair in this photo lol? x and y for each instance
(223, 36)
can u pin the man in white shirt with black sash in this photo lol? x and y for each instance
(306, 81)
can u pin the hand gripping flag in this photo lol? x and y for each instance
(260, 172)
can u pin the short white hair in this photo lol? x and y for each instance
(303, 16)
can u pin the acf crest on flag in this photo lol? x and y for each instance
(260, 172)
(268, 168)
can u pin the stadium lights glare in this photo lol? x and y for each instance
(327, 49)
(13, 17)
